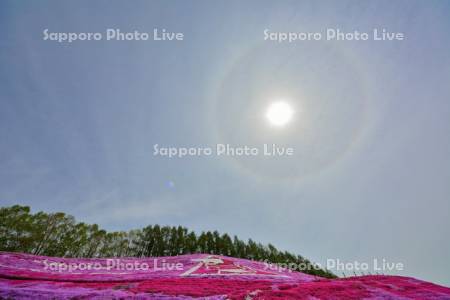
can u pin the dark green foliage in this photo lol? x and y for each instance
(58, 234)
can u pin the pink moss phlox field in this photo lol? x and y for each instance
(199, 276)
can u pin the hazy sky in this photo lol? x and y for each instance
(370, 177)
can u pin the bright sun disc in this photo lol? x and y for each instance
(279, 113)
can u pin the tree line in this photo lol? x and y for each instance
(58, 234)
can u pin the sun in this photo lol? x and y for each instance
(279, 113)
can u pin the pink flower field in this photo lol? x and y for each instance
(199, 276)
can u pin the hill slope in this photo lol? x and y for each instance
(202, 276)
(58, 234)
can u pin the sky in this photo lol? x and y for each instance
(370, 174)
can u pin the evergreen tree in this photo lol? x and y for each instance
(58, 234)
